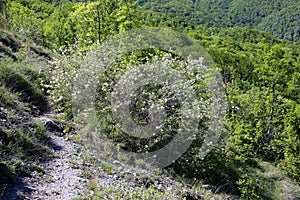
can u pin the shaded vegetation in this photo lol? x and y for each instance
(23, 139)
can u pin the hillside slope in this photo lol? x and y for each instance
(257, 155)
(38, 161)
(281, 18)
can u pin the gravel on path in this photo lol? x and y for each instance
(62, 178)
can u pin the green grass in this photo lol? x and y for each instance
(23, 143)
(276, 184)
(20, 79)
(139, 183)
(23, 140)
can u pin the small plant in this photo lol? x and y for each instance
(107, 168)
(93, 184)
(86, 174)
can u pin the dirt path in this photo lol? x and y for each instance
(62, 178)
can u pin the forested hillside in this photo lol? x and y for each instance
(280, 18)
(43, 44)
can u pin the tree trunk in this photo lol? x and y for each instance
(270, 135)
(99, 23)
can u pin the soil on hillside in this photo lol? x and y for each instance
(62, 177)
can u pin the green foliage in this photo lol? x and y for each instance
(23, 140)
(218, 168)
(128, 16)
(266, 182)
(41, 8)
(64, 74)
(249, 187)
(141, 98)
(291, 164)
(3, 16)
(275, 183)
(252, 12)
(64, 23)
(262, 91)
(21, 79)
(24, 21)
(229, 13)
(58, 29)
(283, 24)
(261, 76)
(94, 21)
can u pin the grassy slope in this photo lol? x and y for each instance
(22, 139)
(270, 178)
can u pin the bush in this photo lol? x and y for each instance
(249, 186)
(291, 162)
(62, 81)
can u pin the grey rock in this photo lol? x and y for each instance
(52, 126)
(3, 114)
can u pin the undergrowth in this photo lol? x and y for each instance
(23, 139)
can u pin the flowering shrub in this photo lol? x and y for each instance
(62, 80)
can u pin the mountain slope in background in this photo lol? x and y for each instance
(281, 18)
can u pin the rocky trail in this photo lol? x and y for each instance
(61, 177)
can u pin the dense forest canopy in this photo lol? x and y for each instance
(281, 18)
(260, 73)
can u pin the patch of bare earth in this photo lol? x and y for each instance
(62, 177)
